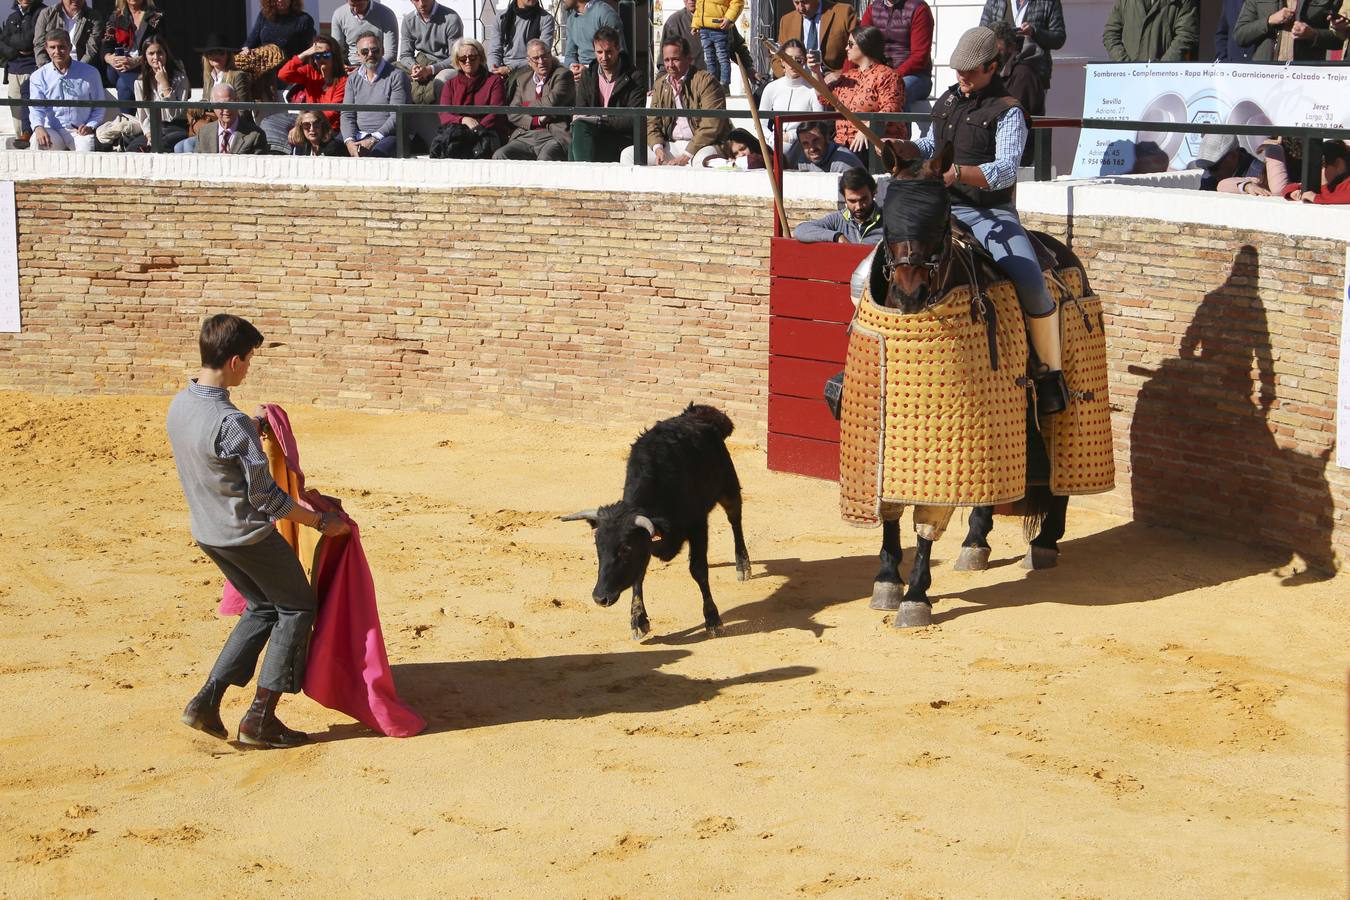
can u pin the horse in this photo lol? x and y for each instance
(911, 274)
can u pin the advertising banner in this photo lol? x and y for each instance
(1201, 94)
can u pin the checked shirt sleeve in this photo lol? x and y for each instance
(238, 439)
(1010, 137)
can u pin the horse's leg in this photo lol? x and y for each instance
(916, 610)
(975, 548)
(887, 587)
(1044, 550)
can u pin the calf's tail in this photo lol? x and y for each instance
(712, 416)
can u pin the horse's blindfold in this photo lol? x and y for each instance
(915, 210)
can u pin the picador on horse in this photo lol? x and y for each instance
(976, 368)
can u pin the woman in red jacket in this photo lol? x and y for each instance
(319, 77)
(467, 136)
(1335, 177)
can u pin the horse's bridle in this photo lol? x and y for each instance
(937, 263)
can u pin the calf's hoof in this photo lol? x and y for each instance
(743, 570)
(714, 630)
(641, 629)
(886, 595)
(913, 614)
(972, 559)
(1040, 558)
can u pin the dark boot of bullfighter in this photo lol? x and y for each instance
(260, 726)
(203, 710)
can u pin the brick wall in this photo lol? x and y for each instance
(574, 304)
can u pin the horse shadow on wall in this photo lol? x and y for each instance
(1204, 455)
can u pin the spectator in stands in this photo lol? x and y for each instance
(684, 140)
(588, 17)
(1226, 47)
(313, 135)
(360, 17)
(283, 23)
(544, 83)
(869, 86)
(817, 152)
(681, 24)
(907, 28)
(611, 82)
(1019, 78)
(233, 132)
(507, 38)
(745, 150)
(1222, 157)
(376, 81)
(1149, 159)
(1335, 177)
(84, 26)
(1152, 31)
(64, 78)
(859, 222)
(790, 94)
(162, 78)
(712, 20)
(318, 76)
(1039, 25)
(1262, 24)
(1281, 158)
(18, 57)
(471, 137)
(131, 23)
(823, 30)
(427, 39)
(218, 68)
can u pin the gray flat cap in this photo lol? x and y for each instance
(1214, 148)
(976, 47)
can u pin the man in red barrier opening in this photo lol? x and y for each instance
(233, 502)
(859, 222)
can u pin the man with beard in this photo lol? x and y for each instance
(816, 151)
(375, 82)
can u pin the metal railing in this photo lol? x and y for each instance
(1041, 127)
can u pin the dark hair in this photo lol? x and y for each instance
(606, 34)
(676, 41)
(57, 34)
(855, 179)
(871, 42)
(793, 44)
(339, 58)
(1335, 150)
(294, 8)
(741, 136)
(171, 65)
(1004, 32)
(824, 129)
(224, 337)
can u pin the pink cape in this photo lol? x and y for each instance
(348, 669)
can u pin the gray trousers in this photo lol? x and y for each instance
(280, 614)
(539, 144)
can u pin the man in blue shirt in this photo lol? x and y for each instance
(64, 78)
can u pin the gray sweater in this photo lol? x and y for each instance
(380, 19)
(581, 32)
(435, 38)
(522, 32)
(390, 86)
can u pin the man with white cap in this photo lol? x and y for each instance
(1221, 157)
(987, 129)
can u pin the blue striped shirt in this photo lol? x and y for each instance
(1010, 138)
(238, 439)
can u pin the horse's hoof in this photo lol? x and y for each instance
(886, 595)
(972, 559)
(913, 614)
(1040, 558)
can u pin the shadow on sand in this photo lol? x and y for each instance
(454, 696)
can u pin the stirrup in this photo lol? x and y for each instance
(1052, 392)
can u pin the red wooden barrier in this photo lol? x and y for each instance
(809, 312)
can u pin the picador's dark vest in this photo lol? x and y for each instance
(969, 123)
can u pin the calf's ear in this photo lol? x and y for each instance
(590, 515)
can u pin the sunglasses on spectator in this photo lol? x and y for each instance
(369, 51)
(327, 54)
(465, 57)
(309, 125)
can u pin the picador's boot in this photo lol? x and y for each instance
(203, 710)
(1052, 392)
(260, 726)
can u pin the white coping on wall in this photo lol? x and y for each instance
(1106, 197)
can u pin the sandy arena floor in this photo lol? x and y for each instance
(1158, 717)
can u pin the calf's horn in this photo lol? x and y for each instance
(590, 515)
(645, 524)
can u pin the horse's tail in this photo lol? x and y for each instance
(1037, 504)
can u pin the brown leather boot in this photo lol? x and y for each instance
(260, 726)
(203, 710)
